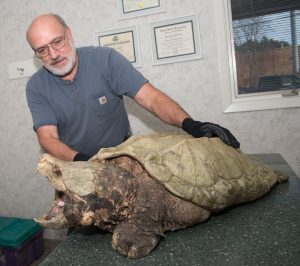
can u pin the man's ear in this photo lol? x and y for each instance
(69, 34)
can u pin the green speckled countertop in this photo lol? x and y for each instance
(264, 232)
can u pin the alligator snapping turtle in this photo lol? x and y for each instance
(152, 184)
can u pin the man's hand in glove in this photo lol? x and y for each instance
(81, 157)
(198, 129)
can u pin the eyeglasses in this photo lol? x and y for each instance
(56, 44)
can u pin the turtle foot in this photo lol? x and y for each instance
(131, 242)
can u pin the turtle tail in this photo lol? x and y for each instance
(281, 177)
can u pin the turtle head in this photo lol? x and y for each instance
(76, 177)
(73, 182)
(53, 169)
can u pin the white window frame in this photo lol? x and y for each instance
(232, 102)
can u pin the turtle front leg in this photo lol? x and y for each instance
(132, 241)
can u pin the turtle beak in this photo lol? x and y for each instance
(55, 218)
(42, 161)
(58, 221)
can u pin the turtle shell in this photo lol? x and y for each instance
(204, 170)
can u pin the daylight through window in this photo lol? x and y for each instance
(267, 45)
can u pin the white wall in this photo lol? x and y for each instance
(194, 84)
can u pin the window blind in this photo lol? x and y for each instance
(266, 37)
(248, 8)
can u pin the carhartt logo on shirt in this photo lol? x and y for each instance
(102, 100)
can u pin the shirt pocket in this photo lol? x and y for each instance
(103, 104)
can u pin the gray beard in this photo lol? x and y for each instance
(67, 68)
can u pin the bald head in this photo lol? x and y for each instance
(44, 27)
(52, 40)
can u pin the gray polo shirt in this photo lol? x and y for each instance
(89, 111)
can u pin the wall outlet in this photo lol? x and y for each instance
(22, 69)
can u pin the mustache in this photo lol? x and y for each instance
(56, 61)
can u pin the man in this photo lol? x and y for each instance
(76, 99)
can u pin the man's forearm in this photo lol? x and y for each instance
(58, 149)
(161, 105)
(168, 110)
(49, 141)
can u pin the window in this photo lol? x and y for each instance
(258, 43)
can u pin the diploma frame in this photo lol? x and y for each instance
(175, 40)
(136, 8)
(124, 40)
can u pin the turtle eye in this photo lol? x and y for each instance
(56, 171)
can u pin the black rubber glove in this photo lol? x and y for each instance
(81, 157)
(198, 129)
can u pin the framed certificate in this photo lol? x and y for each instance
(124, 40)
(135, 8)
(175, 40)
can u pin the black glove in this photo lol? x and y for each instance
(81, 157)
(198, 129)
